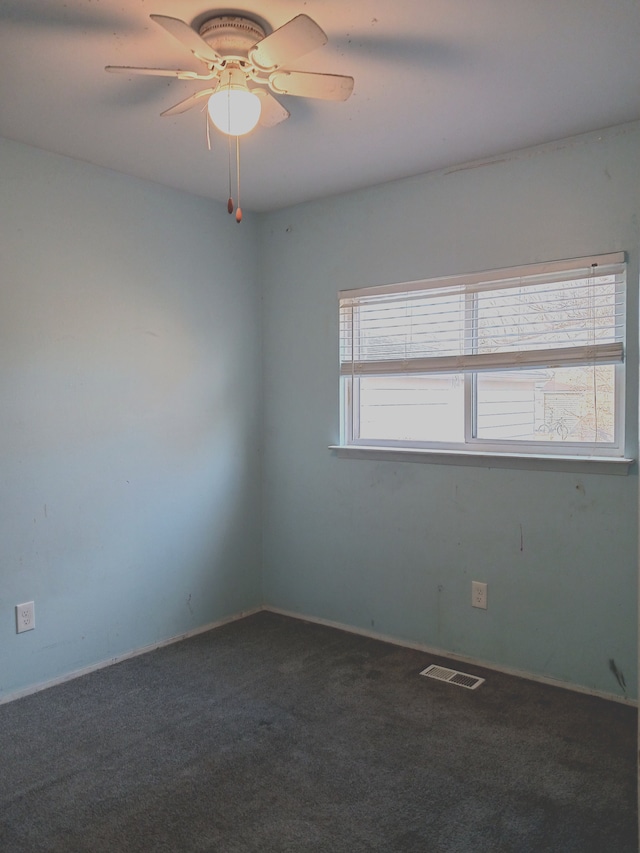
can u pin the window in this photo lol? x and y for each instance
(527, 360)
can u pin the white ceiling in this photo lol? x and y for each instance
(437, 83)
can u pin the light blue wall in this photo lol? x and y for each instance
(129, 414)
(131, 421)
(392, 547)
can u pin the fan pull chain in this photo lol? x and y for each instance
(230, 202)
(239, 209)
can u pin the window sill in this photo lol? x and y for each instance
(527, 462)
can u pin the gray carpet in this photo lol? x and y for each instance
(271, 734)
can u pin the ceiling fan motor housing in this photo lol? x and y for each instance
(231, 35)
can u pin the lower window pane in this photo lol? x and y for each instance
(568, 404)
(412, 408)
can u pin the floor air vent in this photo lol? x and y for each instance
(441, 673)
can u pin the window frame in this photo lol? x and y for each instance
(472, 444)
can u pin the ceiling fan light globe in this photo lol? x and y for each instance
(235, 111)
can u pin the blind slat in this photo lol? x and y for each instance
(611, 353)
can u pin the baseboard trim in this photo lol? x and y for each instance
(443, 653)
(317, 620)
(78, 673)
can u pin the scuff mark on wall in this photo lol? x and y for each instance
(189, 604)
(618, 674)
(521, 540)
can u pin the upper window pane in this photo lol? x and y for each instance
(557, 314)
(404, 327)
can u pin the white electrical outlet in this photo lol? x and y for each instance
(25, 617)
(479, 594)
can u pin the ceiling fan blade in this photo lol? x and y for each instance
(159, 72)
(188, 37)
(329, 87)
(189, 102)
(272, 111)
(298, 36)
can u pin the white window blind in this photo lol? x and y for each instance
(534, 319)
(533, 354)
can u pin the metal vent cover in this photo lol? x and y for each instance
(462, 679)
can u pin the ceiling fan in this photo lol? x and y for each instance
(239, 56)
(242, 63)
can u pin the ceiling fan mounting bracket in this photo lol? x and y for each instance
(231, 34)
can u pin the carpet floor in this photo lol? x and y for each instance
(272, 734)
